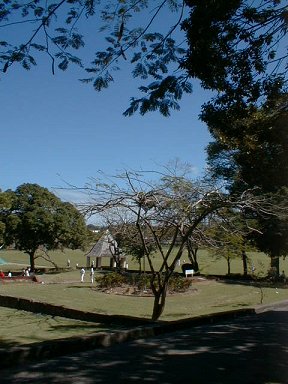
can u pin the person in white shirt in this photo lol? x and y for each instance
(82, 274)
(92, 275)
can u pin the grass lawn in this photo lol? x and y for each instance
(20, 327)
(16, 260)
(205, 296)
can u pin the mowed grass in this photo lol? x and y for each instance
(209, 265)
(205, 296)
(21, 327)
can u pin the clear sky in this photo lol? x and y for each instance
(56, 129)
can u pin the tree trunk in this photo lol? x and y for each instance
(244, 260)
(229, 265)
(159, 303)
(192, 256)
(275, 268)
(32, 261)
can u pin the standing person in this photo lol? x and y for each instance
(92, 275)
(82, 274)
(68, 263)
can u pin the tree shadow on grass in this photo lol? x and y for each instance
(250, 350)
(96, 327)
(264, 283)
(80, 286)
(57, 331)
(229, 306)
(6, 344)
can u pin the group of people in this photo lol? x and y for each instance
(2, 274)
(26, 271)
(83, 272)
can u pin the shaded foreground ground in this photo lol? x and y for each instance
(247, 350)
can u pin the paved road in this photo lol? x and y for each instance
(248, 350)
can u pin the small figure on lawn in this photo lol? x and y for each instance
(82, 274)
(92, 275)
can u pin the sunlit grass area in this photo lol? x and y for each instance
(24, 327)
(205, 296)
(209, 265)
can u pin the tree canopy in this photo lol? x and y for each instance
(166, 213)
(251, 151)
(233, 47)
(37, 218)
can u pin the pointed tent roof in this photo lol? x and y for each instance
(105, 247)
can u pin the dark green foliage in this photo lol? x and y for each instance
(37, 218)
(112, 280)
(231, 46)
(163, 96)
(179, 283)
(251, 145)
(141, 281)
(273, 239)
(250, 151)
(5, 206)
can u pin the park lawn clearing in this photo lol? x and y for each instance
(21, 327)
(205, 296)
(209, 265)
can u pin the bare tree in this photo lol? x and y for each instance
(166, 212)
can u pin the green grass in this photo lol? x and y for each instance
(16, 260)
(205, 296)
(20, 327)
(208, 265)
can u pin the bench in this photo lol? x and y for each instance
(189, 272)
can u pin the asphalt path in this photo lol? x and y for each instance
(248, 350)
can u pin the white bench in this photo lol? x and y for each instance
(189, 272)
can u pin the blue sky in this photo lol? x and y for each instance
(56, 130)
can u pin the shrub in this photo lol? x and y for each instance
(179, 284)
(143, 282)
(112, 280)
